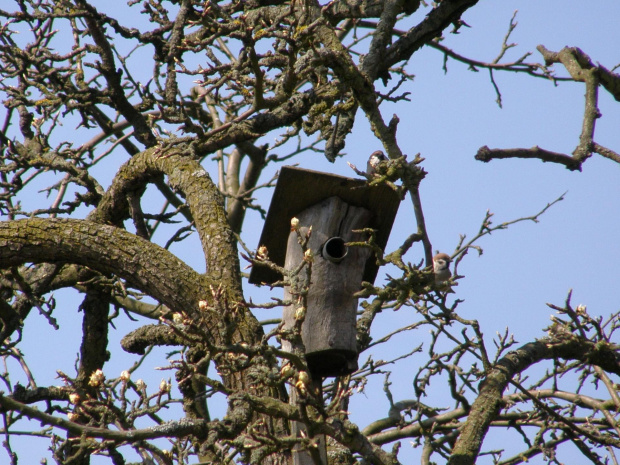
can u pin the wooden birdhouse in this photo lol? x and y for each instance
(334, 206)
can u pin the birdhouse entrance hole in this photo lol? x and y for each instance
(334, 250)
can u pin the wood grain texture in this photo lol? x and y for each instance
(329, 329)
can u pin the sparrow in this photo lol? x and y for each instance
(376, 162)
(441, 267)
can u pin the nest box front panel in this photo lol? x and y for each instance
(329, 329)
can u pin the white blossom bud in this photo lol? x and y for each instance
(164, 386)
(287, 370)
(300, 313)
(262, 253)
(303, 377)
(301, 387)
(303, 382)
(96, 378)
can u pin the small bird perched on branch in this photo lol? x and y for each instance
(376, 162)
(441, 267)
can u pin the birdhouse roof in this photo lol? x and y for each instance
(298, 189)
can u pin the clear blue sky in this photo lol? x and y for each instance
(449, 117)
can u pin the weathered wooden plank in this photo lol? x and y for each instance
(329, 329)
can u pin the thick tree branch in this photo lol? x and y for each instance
(144, 265)
(205, 203)
(448, 12)
(581, 69)
(486, 154)
(94, 345)
(107, 249)
(488, 403)
(579, 64)
(382, 38)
